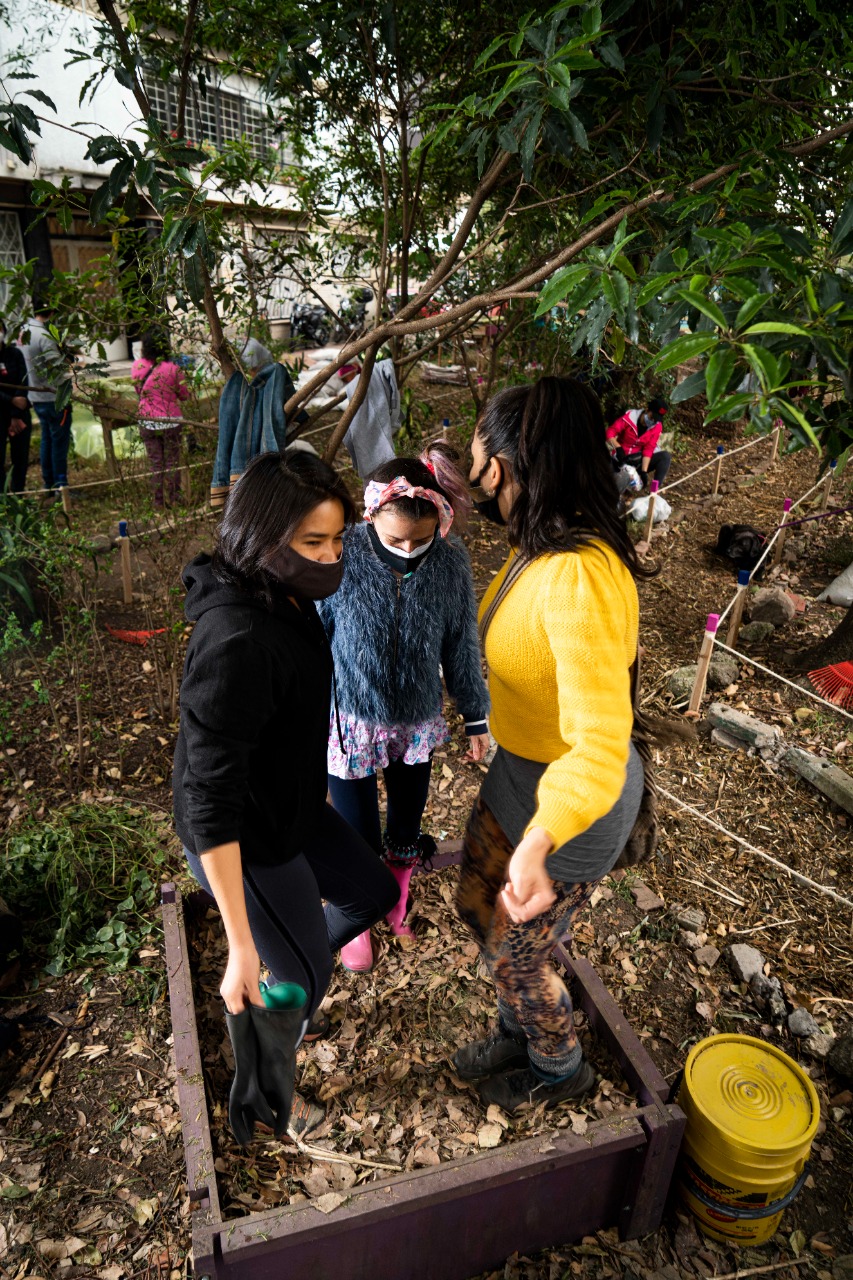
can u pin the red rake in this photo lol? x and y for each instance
(835, 683)
(134, 637)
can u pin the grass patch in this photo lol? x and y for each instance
(84, 881)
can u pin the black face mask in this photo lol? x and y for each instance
(311, 579)
(488, 508)
(400, 564)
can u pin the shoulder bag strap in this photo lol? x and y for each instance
(516, 568)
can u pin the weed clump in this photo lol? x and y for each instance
(83, 880)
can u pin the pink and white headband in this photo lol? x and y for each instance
(376, 495)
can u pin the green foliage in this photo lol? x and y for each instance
(21, 525)
(84, 880)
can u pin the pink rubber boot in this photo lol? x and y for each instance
(396, 917)
(357, 956)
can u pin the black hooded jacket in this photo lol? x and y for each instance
(250, 761)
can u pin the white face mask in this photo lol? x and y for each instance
(406, 555)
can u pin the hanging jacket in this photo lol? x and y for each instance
(389, 635)
(250, 760)
(370, 439)
(251, 422)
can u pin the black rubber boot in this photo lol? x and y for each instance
(246, 1103)
(278, 1033)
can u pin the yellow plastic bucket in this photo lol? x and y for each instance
(751, 1117)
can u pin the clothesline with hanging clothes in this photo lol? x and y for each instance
(768, 857)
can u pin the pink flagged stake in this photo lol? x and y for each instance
(705, 654)
(650, 518)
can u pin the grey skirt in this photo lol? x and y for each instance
(509, 791)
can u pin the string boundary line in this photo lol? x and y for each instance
(795, 875)
(840, 711)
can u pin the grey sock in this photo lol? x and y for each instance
(566, 1065)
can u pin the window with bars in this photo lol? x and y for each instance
(11, 248)
(219, 116)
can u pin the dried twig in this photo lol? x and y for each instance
(741, 1274)
(340, 1157)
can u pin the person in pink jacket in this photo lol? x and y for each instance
(161, 387)
(633, 439)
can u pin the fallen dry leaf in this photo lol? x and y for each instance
(328, 1203)
(489, 1135)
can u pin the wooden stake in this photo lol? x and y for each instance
(777, 431)
(650, 518)
(124, 549)
(705, 655)
(827, 484)
(186, 484)
(783, 533)
(718, 468)
(65, 493)
(743, 579)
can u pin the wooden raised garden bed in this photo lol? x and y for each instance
(461, 1217)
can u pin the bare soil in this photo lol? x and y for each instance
(91, 1169)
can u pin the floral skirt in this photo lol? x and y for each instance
(368, 747)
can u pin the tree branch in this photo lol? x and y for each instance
(128, 61)
(401, 325)
(353, 407)
(184, 74)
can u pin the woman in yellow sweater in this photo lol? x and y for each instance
(560, 799)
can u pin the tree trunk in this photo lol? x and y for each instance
(837, 647)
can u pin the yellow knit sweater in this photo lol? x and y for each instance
(559, 649)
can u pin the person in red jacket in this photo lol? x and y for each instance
(633, 439)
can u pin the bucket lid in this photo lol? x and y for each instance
(754, 1093)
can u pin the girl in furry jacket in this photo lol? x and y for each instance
(404, 615)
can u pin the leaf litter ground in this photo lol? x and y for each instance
(91, 1174)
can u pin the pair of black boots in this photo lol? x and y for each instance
(264, 1043)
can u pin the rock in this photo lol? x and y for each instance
(833, 781)
(744, 961)
(842, 1267)
(100, 544)
(728, 740)
(706, 955)
(772, 604)
(840, 1056)
(689, 940)
(722, 671)
(767, 994)
(740, 724)
(680, 683)
(818, 1045)
(646, 898)
(693, 919)
(755, 632)
(801, 1023)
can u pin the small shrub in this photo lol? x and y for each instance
(84, 880)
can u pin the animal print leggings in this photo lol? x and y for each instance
(532, 998)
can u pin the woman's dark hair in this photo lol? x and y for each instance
(419, 476)
(265, 508)
(154, 346)
(551, 434)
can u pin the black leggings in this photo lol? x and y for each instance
(295, 938)
(406, 789)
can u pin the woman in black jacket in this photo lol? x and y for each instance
(250, 764)
(15, 422)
